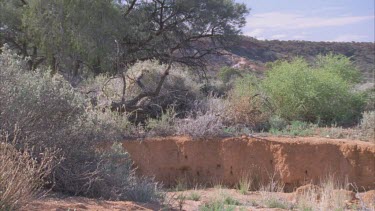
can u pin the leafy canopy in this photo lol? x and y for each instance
(321, 92)
(108, 35)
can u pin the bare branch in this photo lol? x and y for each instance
(130, 8)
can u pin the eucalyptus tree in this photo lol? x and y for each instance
(12, 30)
(63, 34)
(74, 30)
(111, 35)
(177, 31)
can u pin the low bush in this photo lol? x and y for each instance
(367, 126)
(231, 201)
(331, 195)
(339, 65)
(21, 175)
(179, 89)
(370, 97)
(163, 125)
(222, 201)
(227, 73)
(277, 123)
(339, 132)
(51, 114)
(118, 179)
(296, 128)
(47, 112)
(203, 125)
(217, 205)
(110, 126)
(273, 202)
(245, 184)
(194, 196)
(322, 93)
(247, 104)
(215, 87)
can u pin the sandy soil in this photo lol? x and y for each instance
(248, 201)
(81, 203)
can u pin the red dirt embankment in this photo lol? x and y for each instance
(294, 161)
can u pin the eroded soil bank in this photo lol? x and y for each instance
(293, 161)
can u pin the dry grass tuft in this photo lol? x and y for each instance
(330, 195)
(245, 184)
(21, 175)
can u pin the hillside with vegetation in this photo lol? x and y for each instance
(253, 54)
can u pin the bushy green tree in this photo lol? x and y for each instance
(341, 65)
(112, 35)
(322, 92)
(71, 33)
(101, 32)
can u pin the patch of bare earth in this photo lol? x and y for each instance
(258, 200)
(81, 203)
(191, 200)
(248, 201)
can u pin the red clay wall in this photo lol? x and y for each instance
(294, 161)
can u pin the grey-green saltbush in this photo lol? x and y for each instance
(49, 113)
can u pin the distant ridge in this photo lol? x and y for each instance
(254, 54)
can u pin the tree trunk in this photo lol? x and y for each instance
(53, 65)
(132, 105)
(97, 66)
(76, 66)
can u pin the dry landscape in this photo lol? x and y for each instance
(246, 173)
(162, 105)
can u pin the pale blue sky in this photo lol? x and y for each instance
(314, 20)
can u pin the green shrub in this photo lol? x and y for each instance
(247, 103)
(194, 196)
(320, 93)
(227, 73)
(231, 201)
(273, 202)
(217, 205)
(48, 114)
(162, 126)
(367, 125)
(340, 65)
(214, 87)
(277, 123)
(370, 98)
(119, 181)
(245, 183)
(298, 128)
